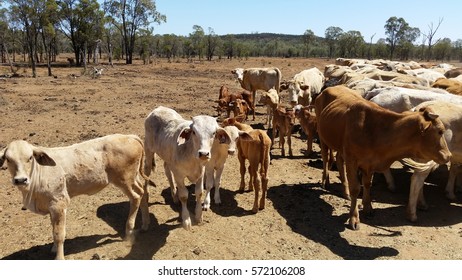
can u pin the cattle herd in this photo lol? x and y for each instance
(366, 115)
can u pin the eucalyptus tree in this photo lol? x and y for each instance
(332, 35)
(82, 22)
(128, 16)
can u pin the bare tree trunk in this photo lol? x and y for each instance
(8, 57)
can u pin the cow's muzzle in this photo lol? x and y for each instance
(204, 155)
(20, 181)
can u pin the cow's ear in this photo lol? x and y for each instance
(244, 136)
(283, 86)
(222, 136)
(304, 87)
(2, 157)
(185, 134)
(42, 158)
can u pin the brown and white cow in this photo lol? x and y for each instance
(185, 147)
(253, 79)
(369, 139)
(49, 177)
(215, 166)
(226, 99)
(283, 122)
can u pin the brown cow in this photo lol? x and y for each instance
(307, 119)
(283, 121)
(257, 152)
(369, 139)
(225, 99)
(450, 85)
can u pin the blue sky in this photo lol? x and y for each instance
(296, 16)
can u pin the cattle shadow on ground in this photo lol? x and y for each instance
(147, 243)
(441, 212)
(229, 206)
(309, 215)
(71, 246)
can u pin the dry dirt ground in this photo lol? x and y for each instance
(301, 220)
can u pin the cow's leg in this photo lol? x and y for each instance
(343, 179)
(173, 186)
(251, 177)
(58, 222)
(325, 163)
(264, 187)
(242, 171)
(254, 95)
(256, 186)
(135, 194)
(208, 187)
(355, 188)
(367, 202)
(183, 196)
(282, 143)
(199, 189)
(217, 184)
(389, 179)
(289, 141)
(417, 182)
(453, 169)
(149, 161)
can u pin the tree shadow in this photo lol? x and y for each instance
(309, 215)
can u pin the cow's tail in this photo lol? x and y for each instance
(420, 167)
(141, 165)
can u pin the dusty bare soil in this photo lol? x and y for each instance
(301, 220)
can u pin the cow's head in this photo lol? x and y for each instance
(20, 157)
(297, 90)
(434, 146)
(201, 133)
(235, 135)
(238, 73)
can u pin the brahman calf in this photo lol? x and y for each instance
(257, 152)
(216, 164)
(185, 147)
(49, 177)
(369, 139)
(283, 122)
(307, 119)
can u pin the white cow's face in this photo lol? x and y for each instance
(20, 157)
(296, 91)
(201, 133)
(235, 134)
(238, 73)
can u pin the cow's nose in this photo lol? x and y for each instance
(231, 152)
(204, 155)
(20, 181)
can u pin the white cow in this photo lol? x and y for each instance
(253, 79)
(304, 85)
(216, 164)
(451, 116)
(185, 147)
(49, 177)
(269, 98)
(400, 99)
